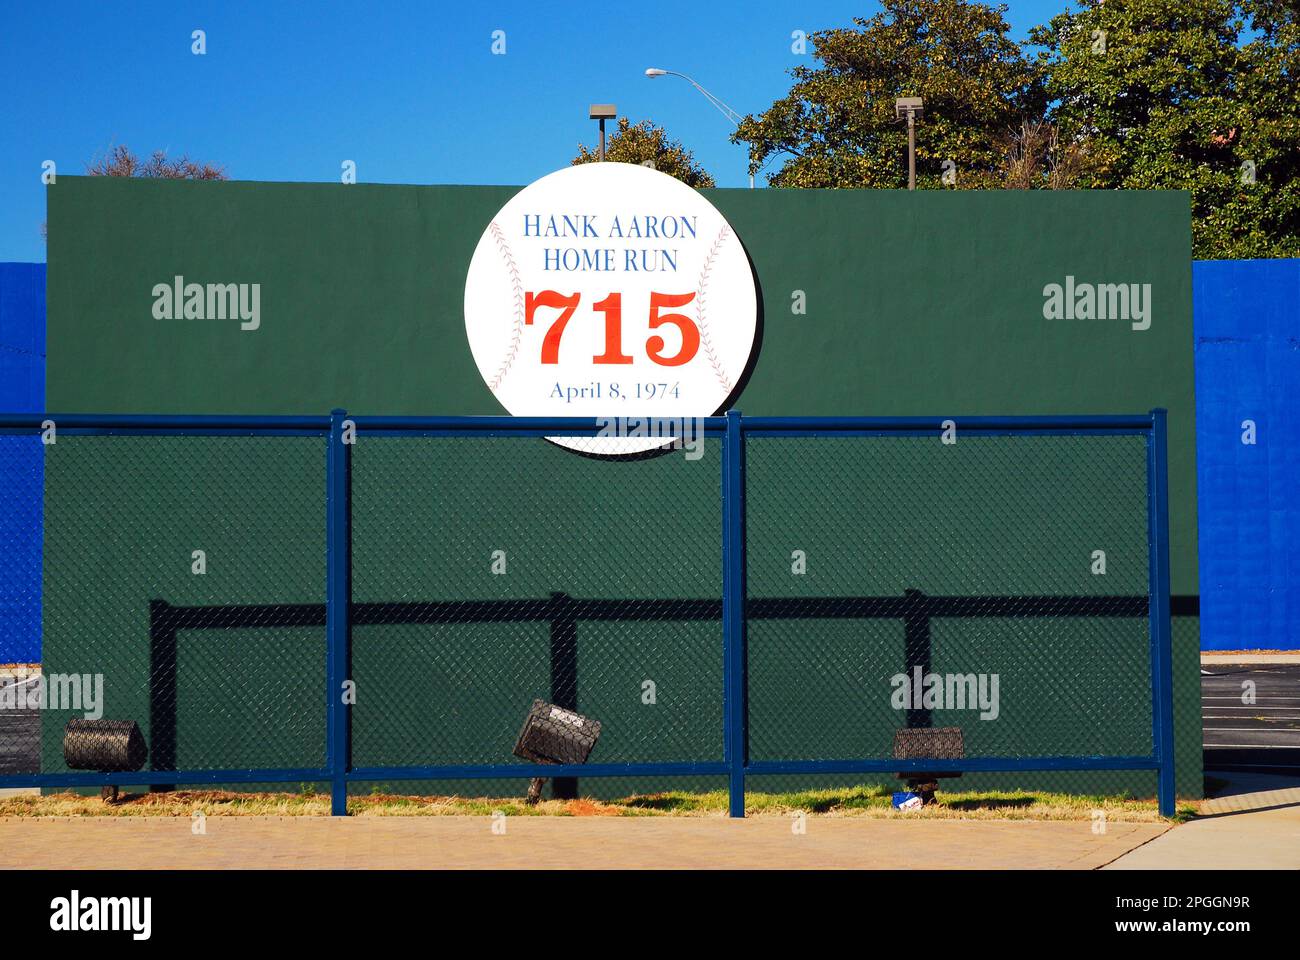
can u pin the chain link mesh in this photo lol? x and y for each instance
(181, 586)
(489, 572)
(492, 571)
(873, 561)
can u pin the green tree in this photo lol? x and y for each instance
(647, 144)
(838, 125)
(1196, 95)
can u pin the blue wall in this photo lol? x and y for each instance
(22, 390)
(1247, 327)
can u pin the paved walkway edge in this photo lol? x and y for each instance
(564, 843)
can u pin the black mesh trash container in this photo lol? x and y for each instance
(928, 743)
(107, 746)
(552, 734)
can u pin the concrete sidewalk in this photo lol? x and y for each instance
(1253, 825)
(561, 842)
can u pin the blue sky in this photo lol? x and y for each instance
(409, 91)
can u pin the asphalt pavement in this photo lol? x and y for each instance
(1250, 716)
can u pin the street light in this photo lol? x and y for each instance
(910, 107)
(723, 108)
(602, 112)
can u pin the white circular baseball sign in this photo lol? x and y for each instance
(611, 290)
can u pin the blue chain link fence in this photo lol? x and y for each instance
(377, 600)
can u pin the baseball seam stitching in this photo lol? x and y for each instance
(504, 249)
(701, 307)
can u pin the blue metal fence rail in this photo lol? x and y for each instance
(732, 430)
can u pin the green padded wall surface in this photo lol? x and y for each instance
(926, 303)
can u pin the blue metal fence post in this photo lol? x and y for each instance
(338, 596)
(1162, 683)
(735, 718)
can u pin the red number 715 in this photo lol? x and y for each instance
(612, 308)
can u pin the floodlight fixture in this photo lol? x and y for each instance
(911, 108)
(602, 112)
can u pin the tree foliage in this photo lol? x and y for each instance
(838, 125)
(121, 162)
(647, 144)
(1196, 95)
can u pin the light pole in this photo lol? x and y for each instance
(911, 108)
(723, 108)
(602, 112)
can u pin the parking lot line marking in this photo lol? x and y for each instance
(1248, 706)
(1255, 746)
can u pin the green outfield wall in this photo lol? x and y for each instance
(873, 303)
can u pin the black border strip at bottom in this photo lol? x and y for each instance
(305, 909)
